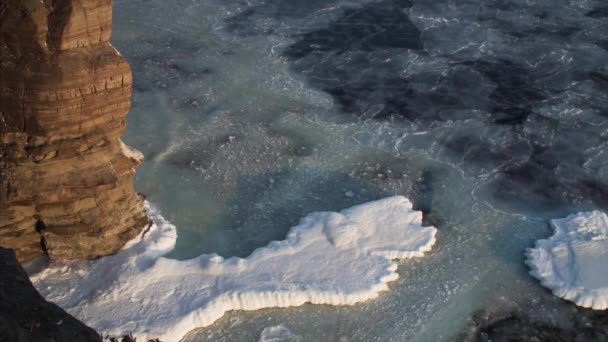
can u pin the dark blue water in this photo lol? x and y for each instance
(536, 70)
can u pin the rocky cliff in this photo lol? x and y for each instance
(26, 317)
(66, 179)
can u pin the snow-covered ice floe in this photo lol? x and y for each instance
(573, 263)
(328, 258)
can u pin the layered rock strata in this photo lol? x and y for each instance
(66, 179)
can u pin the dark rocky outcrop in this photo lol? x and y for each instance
(26, 316)
(582, 325)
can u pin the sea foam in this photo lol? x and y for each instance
(328, 258)
(573, 263)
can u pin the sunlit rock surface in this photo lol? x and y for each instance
(66, 183)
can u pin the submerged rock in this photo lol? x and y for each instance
(66, 178)
(517, 326)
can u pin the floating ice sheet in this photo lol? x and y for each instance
(329, 258)
(573, 263)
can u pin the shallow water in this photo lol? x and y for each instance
(490, 116)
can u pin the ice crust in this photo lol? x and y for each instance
(573, 263)
(328, 258)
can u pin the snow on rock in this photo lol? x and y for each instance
(573, 263)
(328, 258)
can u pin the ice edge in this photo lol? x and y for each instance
(354, 252)
(582, 227)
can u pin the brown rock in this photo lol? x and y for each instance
(66, 179)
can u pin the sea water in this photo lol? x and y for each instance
(490, 116)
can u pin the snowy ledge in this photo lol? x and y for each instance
(328, 258)
(573, 263)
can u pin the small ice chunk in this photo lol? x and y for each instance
(328, 258)
(573, 263)
(277, 333)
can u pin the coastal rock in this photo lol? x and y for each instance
(26, 316)
(580, 326)
(66, 179)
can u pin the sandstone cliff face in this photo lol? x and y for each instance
(66, 179)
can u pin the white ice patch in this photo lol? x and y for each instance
(573, 263)
(277, 333)
(329, 258)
